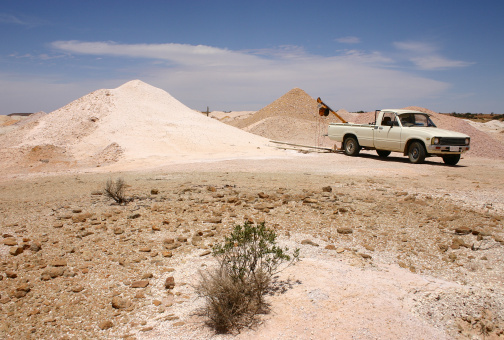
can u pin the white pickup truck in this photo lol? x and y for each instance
(410, 132)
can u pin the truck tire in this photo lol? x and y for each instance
(352, 147)
(451, 159)
(416, 153)
(383, 153)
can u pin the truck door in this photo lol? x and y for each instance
(387, 133)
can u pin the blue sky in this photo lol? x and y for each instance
(241, 55)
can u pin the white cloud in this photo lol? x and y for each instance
(238, 80)
(349, 40)
(426, 57)
(11, 19)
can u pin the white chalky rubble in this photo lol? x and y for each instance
(140, 126)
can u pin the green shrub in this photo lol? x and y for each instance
(247, 261)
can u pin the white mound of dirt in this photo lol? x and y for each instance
(134, 123)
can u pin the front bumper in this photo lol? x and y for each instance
(447, 149)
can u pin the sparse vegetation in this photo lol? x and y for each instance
(247, 261)
(115, 190)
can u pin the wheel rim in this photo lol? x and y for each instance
(350, 146)
(414, 153)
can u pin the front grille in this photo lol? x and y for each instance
(452, 141)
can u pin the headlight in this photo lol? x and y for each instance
(467, 140)
(435, 140)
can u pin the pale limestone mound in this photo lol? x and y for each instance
(134, 123)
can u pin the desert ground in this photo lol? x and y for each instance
(389, 249)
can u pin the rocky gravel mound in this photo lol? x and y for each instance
(291, 118)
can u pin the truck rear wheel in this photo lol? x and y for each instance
(383, 153)
(352, 147)
(451, 159)
(416, 153)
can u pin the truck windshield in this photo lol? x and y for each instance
(416, 119)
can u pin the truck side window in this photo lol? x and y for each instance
(388, 119)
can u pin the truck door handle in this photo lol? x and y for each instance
(381, 128)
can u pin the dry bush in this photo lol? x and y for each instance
(234, 290)
(115, 190)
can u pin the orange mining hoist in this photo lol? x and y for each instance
(324, 110)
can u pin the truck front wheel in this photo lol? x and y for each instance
(451, 159)
(416, 153)
(352, 147)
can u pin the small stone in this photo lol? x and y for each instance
(146, 329)
(10, 274)
(457, 243)
(145, 249)
(35, 246)
(170, 282)
(178, 324)
(340, 250)
(77, 289)
(154, 191)
(309, 242)
(10, 241)
(364, 256)
(140, 284)
(167, 253)
(156, 303)
(156, 228)
(344, 230)
(463, 230)
(120, 303)
(330, 247)
(134, 216)
(327, 189)
(262, 195)
(310, 201)
(214, 220)
(147, 276)
(118, 231)
(205, 253)
(59, 263)
(106, 324)
(52, 272)
(15, 251)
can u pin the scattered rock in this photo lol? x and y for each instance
(106, 324)
(344, 230)
(309, 242)
(170, 282)
(10, 241)
(140, 284)
(10, 274)
(15, 251)
(58, 263)
(463, 230)
(330, 247)
(35, 246)
(154, 191)
(205, 253)
(120, 303)
(327, 189)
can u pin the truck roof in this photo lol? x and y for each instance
(400, 112)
